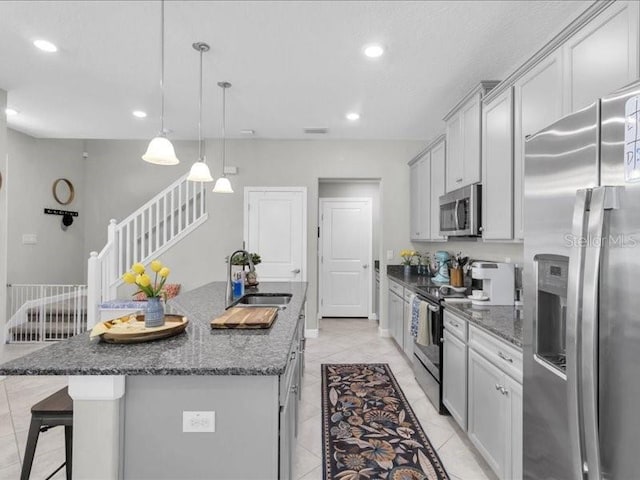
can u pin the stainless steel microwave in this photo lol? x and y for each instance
(460, 212)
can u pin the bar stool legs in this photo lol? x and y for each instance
(30, 449)
(54, 411)
(68, 449)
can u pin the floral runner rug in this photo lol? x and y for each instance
(369, 430)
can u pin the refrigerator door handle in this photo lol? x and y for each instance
(602, 199)
(574, 321)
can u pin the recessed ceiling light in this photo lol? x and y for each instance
(374, 50)
(9, 112)
(45, 46)
(139, 113)
(353, 116)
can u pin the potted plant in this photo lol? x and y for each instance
(154, 314)
(241, 259)
(407, 260)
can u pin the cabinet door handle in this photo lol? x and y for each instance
(295, 270)
(505, 392)
(505, 358)
(294, 389)
(365, 266)
(458, 180)
(498, 387)
(455, 324)
(293, 355)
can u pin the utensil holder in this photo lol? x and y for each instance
(457, 278)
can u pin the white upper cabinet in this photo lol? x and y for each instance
(464, 139)
(420, 171)
(438, 159)
(471, 140)
(426, 185)
(601, 57)
(538, 102)
(414, 203)
(454, 174)
(497, 167)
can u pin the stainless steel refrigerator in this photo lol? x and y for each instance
(582, 294)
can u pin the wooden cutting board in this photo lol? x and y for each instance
(242, 317)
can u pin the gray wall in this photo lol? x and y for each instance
(477, 249)
(115, 166)
(3, 213)
(35, 164)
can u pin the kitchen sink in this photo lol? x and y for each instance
(263, 299)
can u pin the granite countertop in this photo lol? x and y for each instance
(199, 351)
(503, 321)
(396, 272)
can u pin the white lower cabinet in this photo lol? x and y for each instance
(495, 416)
(454, 389)
(395, 312)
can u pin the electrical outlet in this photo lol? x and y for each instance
(198, 422)
(389, 254)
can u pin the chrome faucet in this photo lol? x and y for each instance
(229, 292)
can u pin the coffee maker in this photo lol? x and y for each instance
(498, 281)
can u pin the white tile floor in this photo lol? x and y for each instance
(340, 341)
(357, 341)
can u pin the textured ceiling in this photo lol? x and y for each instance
(292, 64)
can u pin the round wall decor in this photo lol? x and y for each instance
(63, 191)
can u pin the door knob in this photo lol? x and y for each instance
(365, 266)
(296, 270)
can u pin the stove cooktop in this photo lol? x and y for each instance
(433, 292)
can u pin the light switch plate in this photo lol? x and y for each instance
(230, 170)
(198, 422)
(29, 238)
(389, 254)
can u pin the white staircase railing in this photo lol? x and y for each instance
(40, 313)
(142, 236)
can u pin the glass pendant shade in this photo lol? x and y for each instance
(160, 152)
(223, 185)
(200, 173)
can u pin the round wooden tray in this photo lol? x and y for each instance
(173, 325)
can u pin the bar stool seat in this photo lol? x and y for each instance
(55, 410)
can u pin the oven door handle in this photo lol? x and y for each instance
(433, 308)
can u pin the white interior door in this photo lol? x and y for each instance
(275, 227)
(345, 257)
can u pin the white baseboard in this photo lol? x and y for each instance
(373, 316)
(384, 332)
(311, 332)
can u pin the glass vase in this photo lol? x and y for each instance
(154, 314)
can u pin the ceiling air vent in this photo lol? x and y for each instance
(316, 130)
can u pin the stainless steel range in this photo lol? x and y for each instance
(427, 359)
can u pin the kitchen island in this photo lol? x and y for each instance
(129, 399)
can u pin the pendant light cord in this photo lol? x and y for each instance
(162, 67)
(224, 117)
(200, 158)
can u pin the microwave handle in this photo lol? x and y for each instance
(455, 214)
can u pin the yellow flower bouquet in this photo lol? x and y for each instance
(408, 256)
(154, 314)
(138, 276)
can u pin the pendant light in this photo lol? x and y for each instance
(160, 150)
(223, 185)
(199, 170)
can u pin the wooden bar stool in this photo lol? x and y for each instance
(53, 411)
